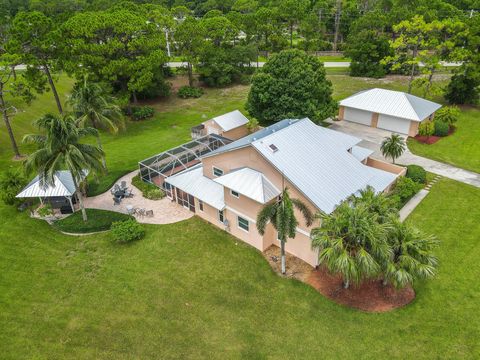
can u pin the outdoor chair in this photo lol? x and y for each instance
(149, 213)
(128, 193)
(116, 200)
(123, 185)
(140, 212)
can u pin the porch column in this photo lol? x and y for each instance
(71, 203)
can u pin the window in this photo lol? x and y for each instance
(242, 223)
(217, 171)
(235, 194)
(220, 216)
(200, 205)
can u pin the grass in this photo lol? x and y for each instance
(461, 149)
(98, 220)
(191, 291)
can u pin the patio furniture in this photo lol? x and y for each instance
(140, 212)
(130, 209)
(116, 188)
(149, 213)
(128, 193)
(123, 185)
(117, 200)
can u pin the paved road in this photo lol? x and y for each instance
(372, 138)
(327, 64)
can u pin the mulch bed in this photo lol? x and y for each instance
(432, 139)
(371, 296)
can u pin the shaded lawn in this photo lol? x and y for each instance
(190, 291)
(461, 149)
(98, 220)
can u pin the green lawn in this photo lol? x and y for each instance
(98, 220)
(191, 291)
(461, 149)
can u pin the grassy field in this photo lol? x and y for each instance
(98, 220)
(460, 149)
(191, 291)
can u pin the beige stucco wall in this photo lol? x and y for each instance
(413, 130)
(374, 120)
(236, 133)
(341, 112)
(300, 246)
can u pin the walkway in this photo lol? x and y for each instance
(164, 211)
(372, 138)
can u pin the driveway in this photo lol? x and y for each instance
(372, 138)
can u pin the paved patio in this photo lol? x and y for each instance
(165, 211)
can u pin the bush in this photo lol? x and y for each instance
(189, 92)
(417, 174)
(127, 231)
(426, 128)
(441, 128)
(447, 114)
(142, 112)
(45, 210)
(406, 188)
(463, 88)
(11, 183)
(154, 194)
(149, 191)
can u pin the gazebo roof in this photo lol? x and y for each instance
(62, 186)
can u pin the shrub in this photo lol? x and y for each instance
(127, 231)
(447, 114)
(417, 174)
(189, 92)
(252, 125)
(406, 188)
(45, 210)
(441, 128)
(154, 194)
(463, 88)
(149, 191)
(11, 183)
(142, 112)
(426, 128)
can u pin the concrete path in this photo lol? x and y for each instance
(372, 138)
(412, 204)
(165, 211)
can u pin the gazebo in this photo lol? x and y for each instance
(61, 195)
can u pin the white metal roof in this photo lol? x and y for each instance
(316, 161)
(251, 183)
(194, 183)
(62, 186)
(393, 103)
(231, 120)
(361, 153)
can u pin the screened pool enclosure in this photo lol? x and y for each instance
(156, 168)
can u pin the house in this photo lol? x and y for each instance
(232, 125)
(321, 167)
(387, 109)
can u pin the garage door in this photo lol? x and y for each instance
(358, 116)
(394, 124)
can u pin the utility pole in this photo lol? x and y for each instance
(337, 23)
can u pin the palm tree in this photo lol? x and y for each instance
(61, 148)
(282, 216)
(352, 242)
(393, 147)
(411, 258)
(378, 203)
(92, 106)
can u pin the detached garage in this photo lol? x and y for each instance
(395, 111)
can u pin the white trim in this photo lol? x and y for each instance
(238, 224)
(236, 192)
(242, 215)
(223, 216)
(302, 232)
(213, 171)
